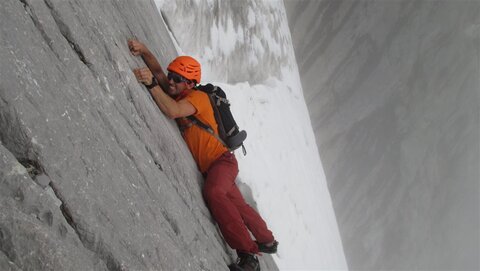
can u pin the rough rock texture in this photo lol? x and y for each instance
(393, 92)
(92, 175)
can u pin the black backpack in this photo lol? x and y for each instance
(228, 132)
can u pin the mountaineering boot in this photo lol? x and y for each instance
(248, 262)
(234, 267)
(268, 248)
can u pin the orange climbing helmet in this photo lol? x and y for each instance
(187, 67)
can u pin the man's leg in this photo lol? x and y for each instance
(251, 218)
(219, 182)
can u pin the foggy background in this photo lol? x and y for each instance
(392, 88)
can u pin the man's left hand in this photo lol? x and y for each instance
(143, 75)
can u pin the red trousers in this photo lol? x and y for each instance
(228, 207)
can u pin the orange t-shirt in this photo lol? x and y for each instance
(204, 147)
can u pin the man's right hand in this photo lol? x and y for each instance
(136, 47)
(144, 75)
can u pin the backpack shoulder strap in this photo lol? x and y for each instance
(207, 128)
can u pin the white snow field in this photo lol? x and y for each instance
(282, 166)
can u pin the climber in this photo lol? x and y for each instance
(176, 96)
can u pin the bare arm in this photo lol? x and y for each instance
(139, 49)
(170, 107)
(173, 109)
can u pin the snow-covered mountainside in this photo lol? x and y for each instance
(245, 47)
(236, 41)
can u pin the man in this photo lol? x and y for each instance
(176, 96)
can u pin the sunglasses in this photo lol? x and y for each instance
(177, 78)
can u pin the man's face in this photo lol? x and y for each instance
(177, 84)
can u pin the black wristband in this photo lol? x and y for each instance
(153, 84)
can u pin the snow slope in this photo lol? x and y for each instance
(282, 166)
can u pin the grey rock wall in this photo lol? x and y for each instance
(392, 89)
(92, 175)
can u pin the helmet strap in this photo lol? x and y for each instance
(182, 95)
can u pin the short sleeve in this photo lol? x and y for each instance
(199, 100)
